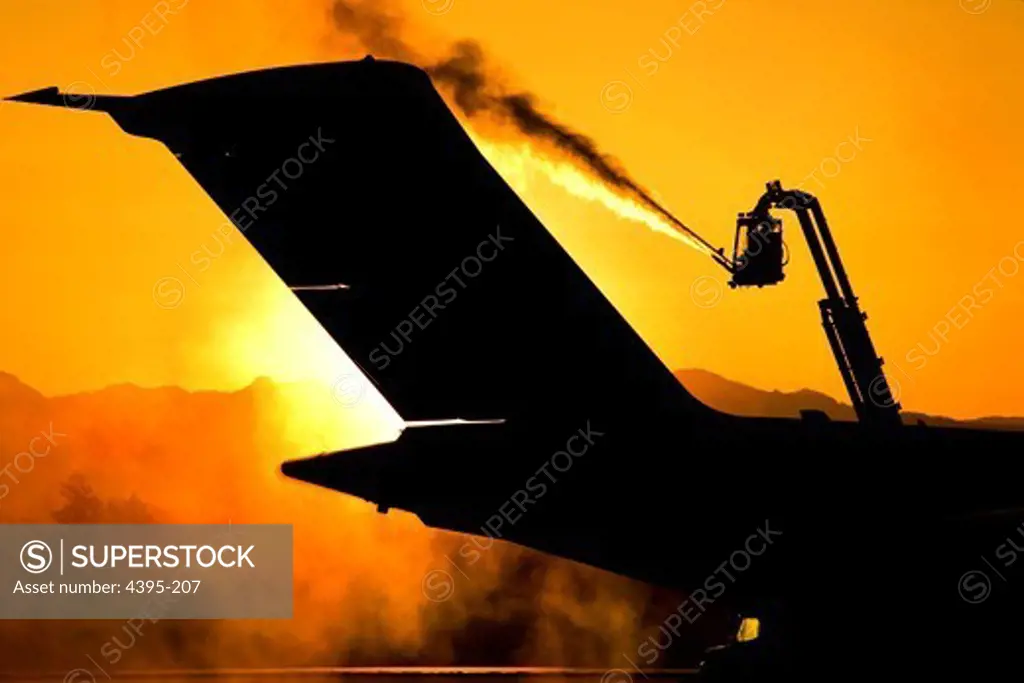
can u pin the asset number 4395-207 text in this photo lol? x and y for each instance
(175, 586)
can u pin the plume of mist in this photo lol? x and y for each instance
(477, 90)
(375, 27)
(131, 455)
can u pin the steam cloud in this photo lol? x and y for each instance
(130, 456)
(476, 91)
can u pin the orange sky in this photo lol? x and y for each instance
(753, 90)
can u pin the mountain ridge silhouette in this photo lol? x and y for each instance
(741, 399)
(717, 391)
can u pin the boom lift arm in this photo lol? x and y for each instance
(759, 235)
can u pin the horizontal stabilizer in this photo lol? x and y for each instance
(53, 97)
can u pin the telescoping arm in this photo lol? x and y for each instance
(844, 322)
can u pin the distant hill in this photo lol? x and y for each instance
(740, 399)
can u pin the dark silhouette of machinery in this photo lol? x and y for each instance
(759, 255)
(763, 252)
(359, 187)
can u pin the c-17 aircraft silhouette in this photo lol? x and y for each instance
(365, 195)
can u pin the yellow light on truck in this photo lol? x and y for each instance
(749, 629)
